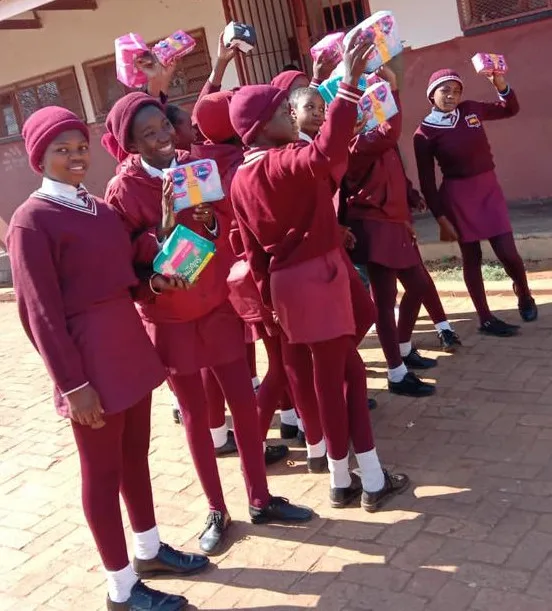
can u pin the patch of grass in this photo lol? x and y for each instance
(450, 268)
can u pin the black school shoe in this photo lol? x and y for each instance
(176, 416)
(449, 340)
(229, 447)
(143, 598)
(288, 431)
(394, 484)
(372, 404)
(170, 562)
(498, 328)
(341, 497)
(411, 386)
(318, 464)
(279, 509)
(301, 439)
(528, 310)
(416, 361)
(215, 527)
(274, 454)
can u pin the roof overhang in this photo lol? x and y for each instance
(9, 9)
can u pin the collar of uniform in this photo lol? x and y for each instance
(437, 118)
(305, 137)
(60, 190)
(156, 172)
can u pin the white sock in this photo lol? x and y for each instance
(288, 417)
(256, 383)
(220, 435)
(264, 446)
(443, 326)
(146, 545)
(339, 472)
(317, 450)
(300, 425)
(396, 314)
(176, 405)
(397, 373)
(405, 348)
(371, 472)
(120, 583)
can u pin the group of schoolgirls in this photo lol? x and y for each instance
(110, 330)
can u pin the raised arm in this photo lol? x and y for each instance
(506, 107)
(41, 307)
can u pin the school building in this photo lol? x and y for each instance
(61, 52)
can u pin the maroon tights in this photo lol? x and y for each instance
(214, 394)
(235, 382)
(505, 249)
(114, 459)
(333, 365)
(383, 283)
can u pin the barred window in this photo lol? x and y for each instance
(475, 14)
(189, 77)
(20, 100)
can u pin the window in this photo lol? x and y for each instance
(191, 73)
(343, 15)
(19, 101)
(476, 15)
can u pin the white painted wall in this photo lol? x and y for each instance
(423, 22)
(70, 38)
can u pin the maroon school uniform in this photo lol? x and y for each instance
(200, 318)
(72, 274)
(290, 232)
(376, 194)
(470, 196)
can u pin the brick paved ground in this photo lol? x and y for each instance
(474, 534)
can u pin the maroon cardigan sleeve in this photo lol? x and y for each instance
(507, 107)
(425, 161)
(41, 308)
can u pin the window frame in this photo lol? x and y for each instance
(13, 88)
(523, 17)
(93, 88)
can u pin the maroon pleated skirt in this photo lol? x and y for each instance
(313, 299)
(215, 339)
(476, 206)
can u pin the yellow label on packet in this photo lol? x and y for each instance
(378, 110)
(194, 190)
(198, 271)
(381, 43)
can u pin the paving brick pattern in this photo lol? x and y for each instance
(475, 532)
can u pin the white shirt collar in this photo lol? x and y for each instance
(305, 137)
(437, 118)
(156, 172)
(60, 189)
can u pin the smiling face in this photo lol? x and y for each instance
(67, 158)
(447, 96)
(153, 137)
(308, 111)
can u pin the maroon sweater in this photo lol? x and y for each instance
(282, 197)
(375, 185)
(460, 145)
(138, 196)
(65, 263)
